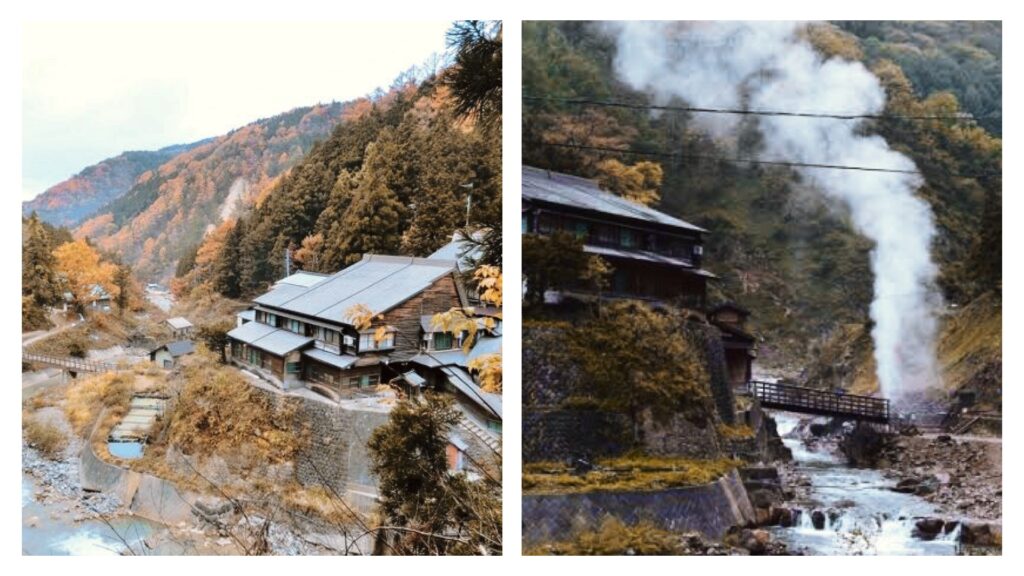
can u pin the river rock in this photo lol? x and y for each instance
(818, 519)
(928, 528)
(982, 533)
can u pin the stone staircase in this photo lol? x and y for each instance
(490, 440)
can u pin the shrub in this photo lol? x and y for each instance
(88, 398)
(48, 438)
(218, 412)
(615, 538)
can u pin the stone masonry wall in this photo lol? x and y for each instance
(709, 509)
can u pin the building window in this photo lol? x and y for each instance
(294, 326)
(607, 234)
(525, 223)
(456, 458)
(272, 320)
(546, 223)
(292, 367)
(443, 340)
(582, 230)
(364, 381)
(255, 357)
(368, 342)
(627, 238)
(494, 426)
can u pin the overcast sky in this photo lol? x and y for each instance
(92, 91)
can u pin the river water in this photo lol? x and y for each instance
(872, 519)
(48, 528)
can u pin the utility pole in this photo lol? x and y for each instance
(469, 199)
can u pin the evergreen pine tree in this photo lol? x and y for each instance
(38, 265)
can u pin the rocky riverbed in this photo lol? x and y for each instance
(833, 507)
(962, 476)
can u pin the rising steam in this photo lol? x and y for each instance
(769, 66)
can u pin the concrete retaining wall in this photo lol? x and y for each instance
(145, 495)
(709, 509)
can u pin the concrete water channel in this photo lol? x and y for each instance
(128, 438)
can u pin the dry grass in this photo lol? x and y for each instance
(48, 438)
(316, 502)
(85, 400)
(614, 538)
(219, 412)
(631, 473)
(735, 432)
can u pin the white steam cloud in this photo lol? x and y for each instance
(769, 66)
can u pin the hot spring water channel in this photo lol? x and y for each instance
(862, 514)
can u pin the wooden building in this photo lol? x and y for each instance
(301, 332)
(167, 356)
(730, 319)
(654, 256)
(180, 327)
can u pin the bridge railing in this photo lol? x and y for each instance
(823, 402)
(68, 363)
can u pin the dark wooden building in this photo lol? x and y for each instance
(654, 256)
(730, 319)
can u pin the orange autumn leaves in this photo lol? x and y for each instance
(81, 269)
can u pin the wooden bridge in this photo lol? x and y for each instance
(68, 363)
(820, 402)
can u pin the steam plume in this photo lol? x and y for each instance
(769, 66)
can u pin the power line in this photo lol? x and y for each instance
(584, 101)
(678, 155)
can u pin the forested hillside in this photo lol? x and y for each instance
(78, 197)
(777, 246)
(393, 178)
(964, 57)
(171, 207)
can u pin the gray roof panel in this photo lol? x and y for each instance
(273, 340)
(181, 348)
(250, 332)
(343, 361)
(463, 382)
(377, 282)
(576, 192)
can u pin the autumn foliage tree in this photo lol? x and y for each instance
(81, 270)
(638, 183)
(637, 360)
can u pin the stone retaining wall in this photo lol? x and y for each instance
(709, 509)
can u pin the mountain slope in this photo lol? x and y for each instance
(171, 207)
(75, 199)
(392, 179)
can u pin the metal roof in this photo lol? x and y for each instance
(304, 279)
(647, 257)
(484, 345)
(460, 251)
(179, 323)
(180, 348)
(377, 282)
(581, 193)
(273, 340)
(435, 359)
(342, 361)
(247, 315)
(176, 349)
(413, 378)
(464, 383)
